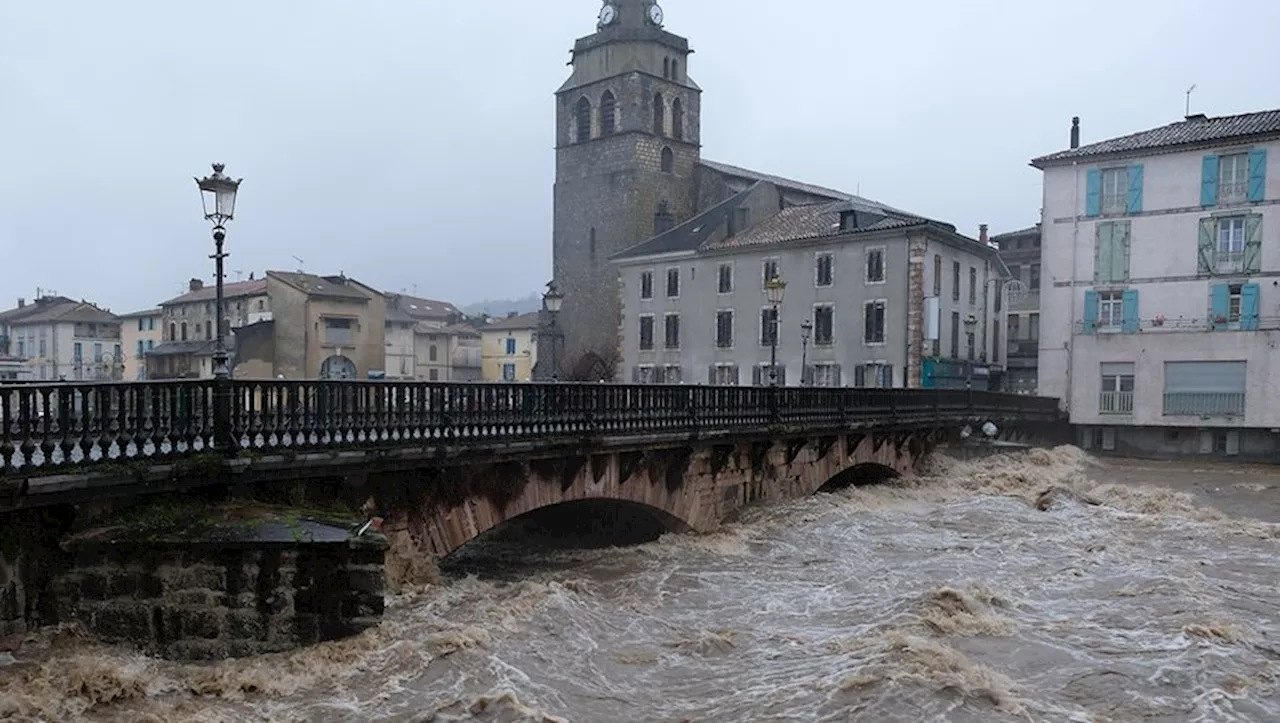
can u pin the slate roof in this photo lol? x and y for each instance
(234, 290)
(419, 308)
(1020, 232)
(1189, 132)
(58, 309)
(145, 312)
(332, 287)
(690, 235)
(808, 188)
(515, 323)
(799, 223)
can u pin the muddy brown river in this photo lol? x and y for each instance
(1152, 594)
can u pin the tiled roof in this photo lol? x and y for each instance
(58, 309)
(145, 312)
(808, 188)
(691, 234)
(234, 290)
(420, 308)
(1189, 132)
(464, 330)
(334, 287)
(515, 323)
(1020, 232)
(799, 223)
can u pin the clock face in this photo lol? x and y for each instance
(655, 14)
(608, 14)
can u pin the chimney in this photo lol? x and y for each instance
(512, 314)
(21, 302)
(195, 285)
(1075, 132)
(1197, 117)
(982, 233)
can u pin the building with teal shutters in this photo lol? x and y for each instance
(1160, 300)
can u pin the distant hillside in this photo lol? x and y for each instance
(502, 307)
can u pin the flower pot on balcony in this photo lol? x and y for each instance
(1158, 321)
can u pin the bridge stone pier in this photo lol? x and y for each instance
(439, 463)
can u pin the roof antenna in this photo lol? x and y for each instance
(1189, 91)
(238, 274)
(301, 263)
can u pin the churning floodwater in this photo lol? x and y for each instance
(948, 597)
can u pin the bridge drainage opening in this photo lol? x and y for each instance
(860, 475)
(538, 539)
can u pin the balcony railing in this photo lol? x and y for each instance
(1233, 192)
(1024, 347)
(1184, 325)
(1203, 404)
(1115, 403)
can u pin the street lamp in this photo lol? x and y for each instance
(552, 300)
(774, 289)
(218, 194)
(806, 330)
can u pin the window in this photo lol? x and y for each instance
(77, 351)
(874, 375)
(677, 120)
(173, 332)
(434, 374)
(663, 221)
(724, 329)
(1234, 292)
(1228, 256)
(44, 351)
(659, 115)
(741, 218)
(1233, 178)
(824, 269)
(769, 270)
(1115, 190)
(955, 281)
(339, 332)
(937, 275)
(668, 161)
(824, 325)
(1110, 310)
(433, 353)
(672, 374)
(1015, 271)
(1035, 277)
(675, 70)
(973, 286)
(184, 331)
(1116, 392)
(508, 372)
(970, 346)
(645, 374)
(582, 120)
(208, 329)
(646, 285)
(760, 376)
(1204, 388)
(955, 335)
(141, 324)
(666, 68)
(151, 344)
(646, 332)
(1033, 326)
(671, 331)
(673, 283)
(826, 375)
(875, 266)
(591, 243)
(725, 375)
(140, 351)
(97, 353)
(768, 326)
(724, 279)
(1111, 254)
(873, 322)
(1015, 323)
(608, 114)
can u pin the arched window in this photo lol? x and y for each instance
(668, 161)
(608, 114)
(663, 221)
(675, 70)
(208, 329)
(677, 119)
(591, 244)
(666, 67)
(184, 331)
(659, 115)
(582, 120)
(173, 331)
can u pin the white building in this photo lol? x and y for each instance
(60, 338)
(140, 332)
(1160, 310)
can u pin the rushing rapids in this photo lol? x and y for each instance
(1042, 587)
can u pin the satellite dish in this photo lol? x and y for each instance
(1015, 291)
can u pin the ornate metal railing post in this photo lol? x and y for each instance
(692, 401)
(223, 440)
(775, 406)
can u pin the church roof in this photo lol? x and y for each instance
(690, 235)
(728, 170)
(800, 223)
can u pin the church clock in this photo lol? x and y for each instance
(655, 14)
(608, 14)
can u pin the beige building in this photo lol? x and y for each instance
(508, 349)
(322, 327)
(60, 338)
(188, 331)
(140, 333)
(451, 353)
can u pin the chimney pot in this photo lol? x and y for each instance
(21, 302)
(1075, 132)
(195, 285)
(982, 233)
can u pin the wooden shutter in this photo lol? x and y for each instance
(806, 375)
(734, 374)
(836, 378)
(635, 375)
(711, 374)
(756, 373)
(659, 375)
(1090, 311)
(1209, 181)
(1120, 252)
(1102, 253)
(1129, 306)
(1249, 307)
(1133, 203)
(1257, 175)
(1253, 243)
(1219, 305)
(782, 375)
(1093, 192)
(859, 376)
(1208, 227)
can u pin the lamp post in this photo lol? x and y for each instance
(552, 300)
(218, 194)
(774, 289)
(806, 330)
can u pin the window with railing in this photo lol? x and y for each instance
(1115, 190)
(1233, 178)
(1110, 310)
(1229, 253)
(1204, 388)
(1116, 395)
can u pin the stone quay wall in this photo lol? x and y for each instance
(214, 601)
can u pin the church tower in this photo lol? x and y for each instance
(627, 144)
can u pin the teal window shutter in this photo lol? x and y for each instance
(1208, 230)
(1253, 243)
(1219, 305)
(1129, 307)
(1209, 181)
(1102, 252)
(1249, 307)
(1257, 175)
(1134, 202)
(1093, 192)
(1090, 311)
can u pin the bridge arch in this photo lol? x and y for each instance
(858, 475)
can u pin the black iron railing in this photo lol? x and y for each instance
(51, 427)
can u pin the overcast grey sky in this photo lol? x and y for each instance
(409, 142)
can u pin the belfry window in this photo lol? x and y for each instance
(668, 161)
(608, 114)
(677, 119)
(582, 120)
(659, 115)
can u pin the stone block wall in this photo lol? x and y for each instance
(205, 602)
(29, 555)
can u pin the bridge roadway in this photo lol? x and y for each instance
(68, 442)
